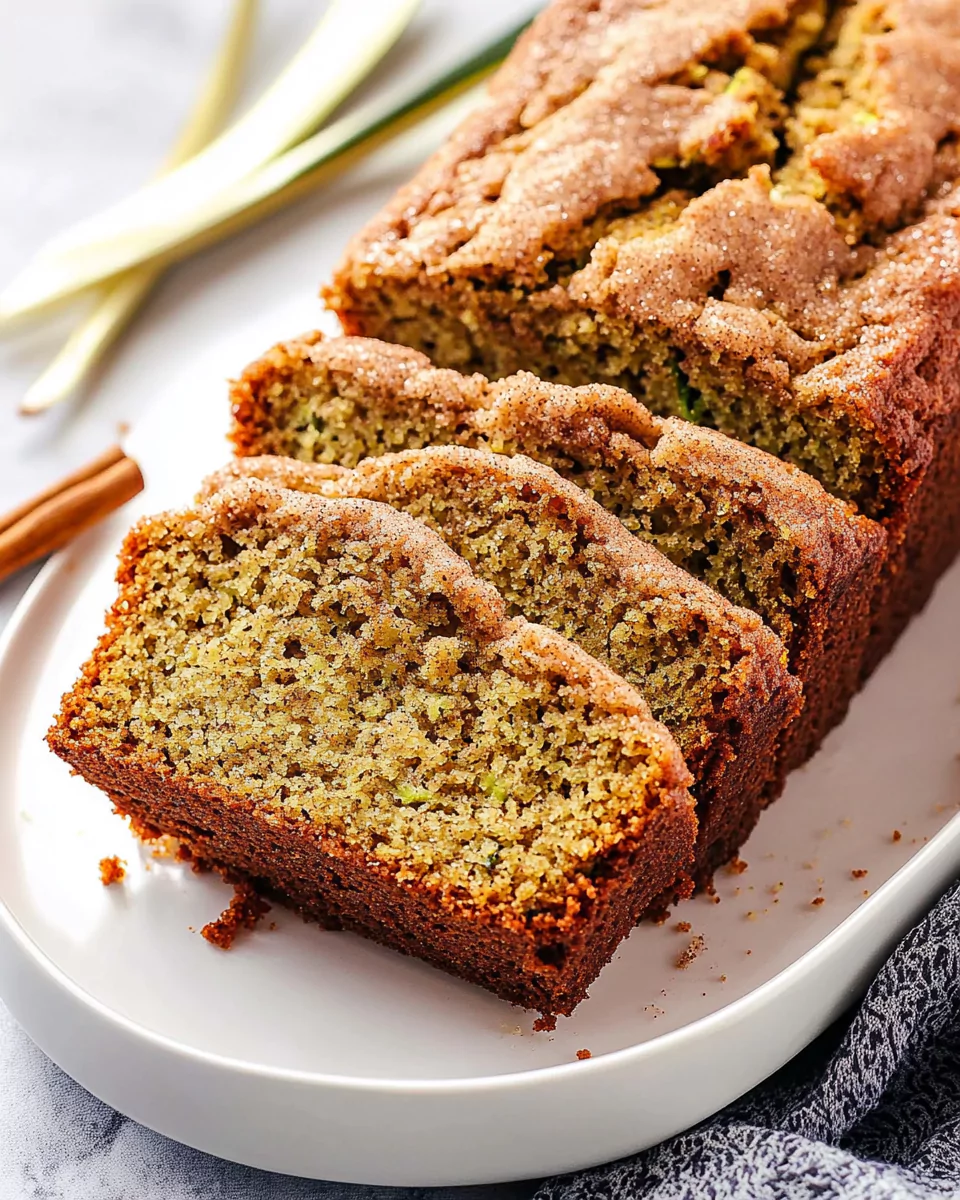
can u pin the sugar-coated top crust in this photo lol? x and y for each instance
(832, 539)
(643, 569)
(589, 93)
(574, 124)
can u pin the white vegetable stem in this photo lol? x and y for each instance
(352, 37)
(119, 300)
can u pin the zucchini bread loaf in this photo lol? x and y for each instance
(319, 697)
(761, 533)
(746, 212)
(712, 673)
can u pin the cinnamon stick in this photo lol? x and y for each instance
(58, 514)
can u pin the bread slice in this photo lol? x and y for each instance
(763, 534)
(713, 673)
(319, 697)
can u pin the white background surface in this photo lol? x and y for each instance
(92, 94)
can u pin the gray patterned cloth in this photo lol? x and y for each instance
(871, 1111)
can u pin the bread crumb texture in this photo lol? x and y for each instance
(333, 664)
(691, 953)
(112, 870)
(243, 912)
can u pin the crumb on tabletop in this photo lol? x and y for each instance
(683, 927)
(859, 872)
(896, 836)
(817, 901)
(112, 870)
(243, 912)
(695, 948)
(584, 1054)
(545, 1024)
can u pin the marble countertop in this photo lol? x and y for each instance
(91, 96)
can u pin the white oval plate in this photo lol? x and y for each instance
(319, 1054)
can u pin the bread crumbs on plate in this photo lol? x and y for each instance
(817, 901)
(683, 927)
(737, 866)
(695, 948)
(112, 870)
(896, 836)
(544, 1024)
(859, 872)
(243, 912)
(584, 1054)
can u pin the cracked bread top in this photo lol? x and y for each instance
(589, 182)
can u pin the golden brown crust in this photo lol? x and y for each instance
(584, 107)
